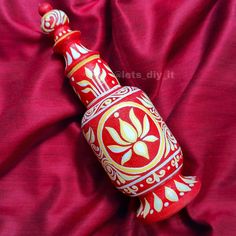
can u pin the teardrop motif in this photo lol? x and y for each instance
(158, 204)
(171, 194)
(182, 187)
(146, 208)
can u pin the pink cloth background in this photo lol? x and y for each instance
(50, 181)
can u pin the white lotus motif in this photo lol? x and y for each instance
(132, 138)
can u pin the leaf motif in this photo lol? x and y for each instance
(146, 208)
(188, 180)
(96, 70)
(171, 194)
(103, 75)
(146, 126)
(108, 68)
(140, 209)
(126, 157)
(87, 90)
(88, 73)
(158, 204)
(81, 49)
(74, 53)
(118, 149)
(127, 131)
(92, 138)
(116, 137)
(112, 75)
(87, 135)
(140, 148)
(83, 83)
(85, 50)
(69, 58)
(135, 122)
(145, 102)
(150, 138)
(182, 187)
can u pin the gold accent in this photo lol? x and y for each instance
(132, 170)
(82, 63)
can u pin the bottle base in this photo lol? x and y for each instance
(168, 199)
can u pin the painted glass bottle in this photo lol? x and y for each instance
(123, 128)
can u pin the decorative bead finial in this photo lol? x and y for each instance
(44, 8)
(53, 22)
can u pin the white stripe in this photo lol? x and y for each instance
(102, 94)
(151, 172)
(154, 186)
(117, 100)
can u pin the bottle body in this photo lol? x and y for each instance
(138, 151)
(123, 128)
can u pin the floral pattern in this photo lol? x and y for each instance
(171, 195)
(96, 79)
(132, 137)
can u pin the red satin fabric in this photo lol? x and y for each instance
(51, 183)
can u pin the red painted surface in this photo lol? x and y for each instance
(123, 128)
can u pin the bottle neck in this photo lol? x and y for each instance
(90, 77)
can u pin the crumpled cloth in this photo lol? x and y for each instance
(181, 53)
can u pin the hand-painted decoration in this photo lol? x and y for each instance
(123, 128)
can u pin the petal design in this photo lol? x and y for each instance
(146, 101)
(158, 204)
(127, 131)
(88, 73)
(81, 49)
(150, 138)
(146, 126)
(188, 180)
(116, 137)
(140, 209)
(69, 58)
(103, 75)
(118, 149)
(182, 187)
(126, 157)
(146, 208)
(96, 70)
(140, 148)
(135, 122)
(83, 83)
(112, 75)
(87, 135)
(108, 68)
(171, 194)
(87, 90)
(74, 53)
(92, 138)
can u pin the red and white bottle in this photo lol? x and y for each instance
(123, 128)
